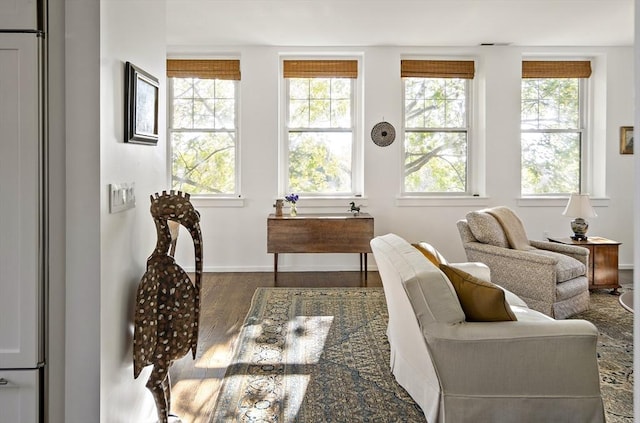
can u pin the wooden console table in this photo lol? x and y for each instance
(603, 260)
(320, 233)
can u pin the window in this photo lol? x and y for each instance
(436, 126)
(553, 126)
(320, 153)
(203, 130)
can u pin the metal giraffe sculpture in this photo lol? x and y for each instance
(167, 302)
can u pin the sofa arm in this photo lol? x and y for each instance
(579, 253)
(516, 358)
(510, 254)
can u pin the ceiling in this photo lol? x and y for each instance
(400, 22)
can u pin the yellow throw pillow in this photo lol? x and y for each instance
(481, 301)
(431, 253)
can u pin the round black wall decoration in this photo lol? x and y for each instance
(383, 134)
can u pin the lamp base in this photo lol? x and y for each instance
(579, 226)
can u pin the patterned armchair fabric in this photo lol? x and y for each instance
(550, 278)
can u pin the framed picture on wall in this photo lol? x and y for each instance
(626, 140)
(141, 106)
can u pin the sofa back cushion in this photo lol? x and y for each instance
(430, 293)
(486, 229)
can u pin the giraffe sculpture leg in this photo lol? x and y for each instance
(160, 388)
(168, 302)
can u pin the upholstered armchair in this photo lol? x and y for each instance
(463, 370)
(548, 276)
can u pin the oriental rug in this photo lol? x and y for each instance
(321, 355)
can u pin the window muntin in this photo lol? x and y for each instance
(320, 130)
(436, 134)
(552, 125)
(203, 135)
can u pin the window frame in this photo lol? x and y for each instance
(357, 148)
(236, 194)
(472, 179)
(584, 118)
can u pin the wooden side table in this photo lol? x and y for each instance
(603, 260)
(320, 233)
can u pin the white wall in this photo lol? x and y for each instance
(235, 237)
(82, 224)
(131, 31)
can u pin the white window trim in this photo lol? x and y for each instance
(234, 199)
(476, 191)
(357, 165)
(594, 140)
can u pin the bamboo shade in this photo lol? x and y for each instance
(464, 69)
(204, 69)
(320, 69)
(556, 69)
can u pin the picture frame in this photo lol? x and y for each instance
(141, 90)
(626, 140)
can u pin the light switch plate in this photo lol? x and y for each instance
(121, 197)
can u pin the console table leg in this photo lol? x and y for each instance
(366, 268)
(275, 266)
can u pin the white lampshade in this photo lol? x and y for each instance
(579, 206)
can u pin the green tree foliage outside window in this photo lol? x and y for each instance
(436, 135)
(320, 135)
(551, 136)
(203, 135)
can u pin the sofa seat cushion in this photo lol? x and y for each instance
(486, 229)
(481, 301)
(567, 267)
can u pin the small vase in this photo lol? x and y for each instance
(293, 211)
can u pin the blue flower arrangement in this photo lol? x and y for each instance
(291, 198)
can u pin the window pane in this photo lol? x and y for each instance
(203, 113)
(435, 158)
(550, 103)
(550, 163)
(299, 114)
(320, 162)
(319, 114)
(182, 114)
(435, 103)
(225, 114)
(203, 163)
(299, 88)
(435, 161)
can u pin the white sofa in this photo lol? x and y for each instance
(535, 369)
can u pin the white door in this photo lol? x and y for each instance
(19, 396)
(18, 14)
(20, 227)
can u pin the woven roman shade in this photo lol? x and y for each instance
(204, 69)
(464, 69)
(320, 69)
(556, 69)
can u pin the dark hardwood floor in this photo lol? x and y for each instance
(226, 298)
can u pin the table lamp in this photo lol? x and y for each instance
(579, 207)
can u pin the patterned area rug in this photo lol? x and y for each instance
(321, 355)
(615, 354)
